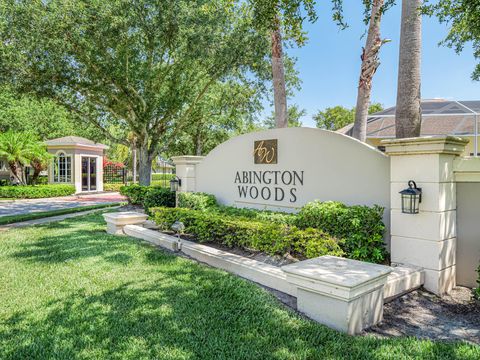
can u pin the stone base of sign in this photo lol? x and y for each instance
(116, 221)
(344, 294)
(152, 236)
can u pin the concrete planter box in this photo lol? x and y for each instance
(344, 294)
(117, 221)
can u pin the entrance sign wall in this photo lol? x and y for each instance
(283, 169)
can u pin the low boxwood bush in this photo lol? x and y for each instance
(269, 237)
(360, 227)
(148, 196)
(197, 201)
(134, 193)
(158, 196)
(204, 202)
(36, 191)
(112, 187)
(162, 177)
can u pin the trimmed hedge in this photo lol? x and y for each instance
(197, 201)
(158, 196)
(112, 187)
(162, 177)
(134, 193)
(272, 238)
(148, 196)
(361, 227)
(204, 202)
(36, 191)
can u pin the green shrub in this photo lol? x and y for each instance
(360, 227)
(476, 291)
(158, 196)
(162, 177)
(260, 215)
(112, 187)
(135, 193)
(196, 201)
(269, 237)
(148, 196)
(36, 191)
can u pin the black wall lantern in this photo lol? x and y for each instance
(411, 198)
(175, 183)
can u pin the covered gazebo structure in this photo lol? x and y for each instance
(76, 161)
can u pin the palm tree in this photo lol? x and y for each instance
(39, 162)
(408, 112)
(278, 75)
(370, 63)
(19, 149)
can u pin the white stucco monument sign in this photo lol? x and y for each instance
(283, 169)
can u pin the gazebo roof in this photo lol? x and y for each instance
(75, 141)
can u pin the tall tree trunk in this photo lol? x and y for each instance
(408, 112)
(145, 165)
(17, 172)
(134, 161)
(278, 74)
(370, 63)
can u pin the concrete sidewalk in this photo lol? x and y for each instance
(27, 206)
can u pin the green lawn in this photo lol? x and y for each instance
(70, 291)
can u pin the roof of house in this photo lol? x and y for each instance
(439, 117)
(75, 141)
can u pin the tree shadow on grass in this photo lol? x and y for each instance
(192, 312)
(172, 308)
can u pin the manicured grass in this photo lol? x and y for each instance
(10, 219)
(68, 290)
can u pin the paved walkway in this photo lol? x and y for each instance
(27, 206)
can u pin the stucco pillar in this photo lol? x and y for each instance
(186, 171)
(427, 239)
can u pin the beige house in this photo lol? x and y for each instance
(439, 117)
(77, 161)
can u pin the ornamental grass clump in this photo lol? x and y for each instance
(249, 234)
(360, 227)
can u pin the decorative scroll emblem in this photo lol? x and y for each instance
(265, 151)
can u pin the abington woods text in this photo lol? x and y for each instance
(269, 185)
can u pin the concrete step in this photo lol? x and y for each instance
(402, 280)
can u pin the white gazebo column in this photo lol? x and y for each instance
(426, 239)
(186, 171)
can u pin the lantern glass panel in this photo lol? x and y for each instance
(173, 185)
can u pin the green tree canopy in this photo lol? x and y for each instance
(463, 17)
(143, 66)
(337, 117)
(295, 113)
(43, 117)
